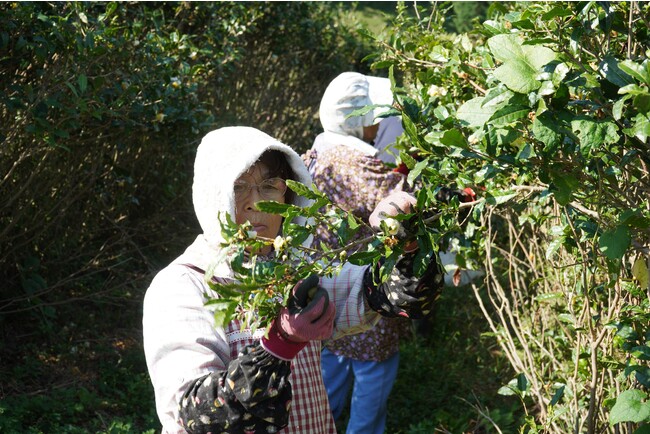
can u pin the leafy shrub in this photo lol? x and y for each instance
(544, 109)
(103, 106)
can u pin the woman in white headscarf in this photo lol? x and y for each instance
(212, 379)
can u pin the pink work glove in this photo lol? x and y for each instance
(309, 316)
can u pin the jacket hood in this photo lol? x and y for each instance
(222, 157)
(352, 91)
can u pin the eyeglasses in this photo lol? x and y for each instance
(269, 189)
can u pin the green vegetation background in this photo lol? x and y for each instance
(102, 106)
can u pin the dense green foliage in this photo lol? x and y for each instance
(544, 110)
(102, 106)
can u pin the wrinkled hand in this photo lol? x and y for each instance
(309, 315)
(394, 204)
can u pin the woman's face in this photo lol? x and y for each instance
(248, 192)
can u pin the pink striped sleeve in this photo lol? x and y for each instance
(346, 291)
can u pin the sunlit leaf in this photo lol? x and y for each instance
(640, 72)
(508, 114)
(474, 113)
(631, 406)
(609, 67)
(641, 128)
(640, 272)
(593, 133)
(521, 63)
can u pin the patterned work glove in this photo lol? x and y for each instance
(403, 294)
(309, 316)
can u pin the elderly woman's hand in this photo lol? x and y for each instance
(394, 204)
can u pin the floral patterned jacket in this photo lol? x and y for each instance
(353, 178)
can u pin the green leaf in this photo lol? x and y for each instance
(488, 171)
(474, 114)
(614, 243)
(617, 108)
(422, 260)
(632, 89)
(506, 391)
(303, 190)
(363, 258)
(644, 429)
(634, 218)
(641, 374)
(410, 129)
(594, 133)
(352, 222)
(497, 198)
(521, 63)
(522, 383)
(640, 72)
(641, 352)
(497, 95)
(550, 296)
(631, 406)
(641, 127)
(642, 102)
(224, 312)
(407, 159)
(417, 169)
(567, 318)
(508, 114)
(640, 272)
(557, 11)
(82, 80)
(72, 88)
(546, 131)
(559, 393)
(516, 386)
(564, 184)
(317, 205)
(609, 67)
(526, 152)
(272, 207)
(454, 138)
(494, 27)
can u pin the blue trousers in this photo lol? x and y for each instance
(371, 384)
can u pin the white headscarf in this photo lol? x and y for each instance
(352, 91)
(221, 158)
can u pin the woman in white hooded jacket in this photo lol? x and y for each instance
(212, 379)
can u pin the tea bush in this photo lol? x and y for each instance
(543, 109)
(102, 108)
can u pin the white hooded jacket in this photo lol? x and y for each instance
(181, 340)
